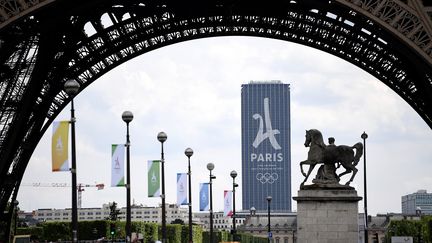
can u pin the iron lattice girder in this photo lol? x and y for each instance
(140, 34)
(410, 20)
(13, 10)
(141, 26)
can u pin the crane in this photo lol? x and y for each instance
(80, 187)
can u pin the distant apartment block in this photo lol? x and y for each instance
(138, 213)
(418, 202)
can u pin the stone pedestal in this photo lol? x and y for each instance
(327, 216)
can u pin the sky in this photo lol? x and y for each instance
(191, 91)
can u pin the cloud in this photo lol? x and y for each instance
(191, 90)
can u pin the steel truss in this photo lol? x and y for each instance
(40, 51)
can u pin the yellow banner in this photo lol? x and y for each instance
(59, 146)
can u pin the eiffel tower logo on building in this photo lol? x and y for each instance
(270, 132)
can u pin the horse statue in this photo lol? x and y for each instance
(329, 155)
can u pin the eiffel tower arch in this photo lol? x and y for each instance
(43, 43)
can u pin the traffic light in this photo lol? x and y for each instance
(112, 228)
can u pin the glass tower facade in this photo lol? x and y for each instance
(420, 201)
(266, 145)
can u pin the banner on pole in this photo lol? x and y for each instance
(117, 165)
(153, 175)
(182, 190)
(59, 146)
(204, 197)
(228, 203)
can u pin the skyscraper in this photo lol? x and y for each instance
(266, 152)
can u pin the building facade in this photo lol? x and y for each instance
(220, 222)
(418, 202)
(283, 226)
(266, 153)
(138, 213)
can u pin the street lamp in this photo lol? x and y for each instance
(71, 88)
(189, 152)
(252, 211)
(162, 137)
(210, 167)
(15, 204)
(364, 136)
(269, 198)
(233, 174)
(127, 117)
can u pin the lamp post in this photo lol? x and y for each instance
(252, 211)
(71, 88)
(233, 174)
(210, 167)
(189, 152)
(162, 137)
(127, 117)
(419, 227)
(364, 136)
(269, 198)
(15, 204)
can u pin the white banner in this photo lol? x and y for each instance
(182, 189)
(117, 165)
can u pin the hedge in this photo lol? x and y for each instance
(92, 230)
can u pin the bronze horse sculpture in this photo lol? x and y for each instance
(320, 153)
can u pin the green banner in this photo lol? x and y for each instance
(153, 175)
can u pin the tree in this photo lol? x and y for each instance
(114, 212)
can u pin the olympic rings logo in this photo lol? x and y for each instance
(267, 177)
